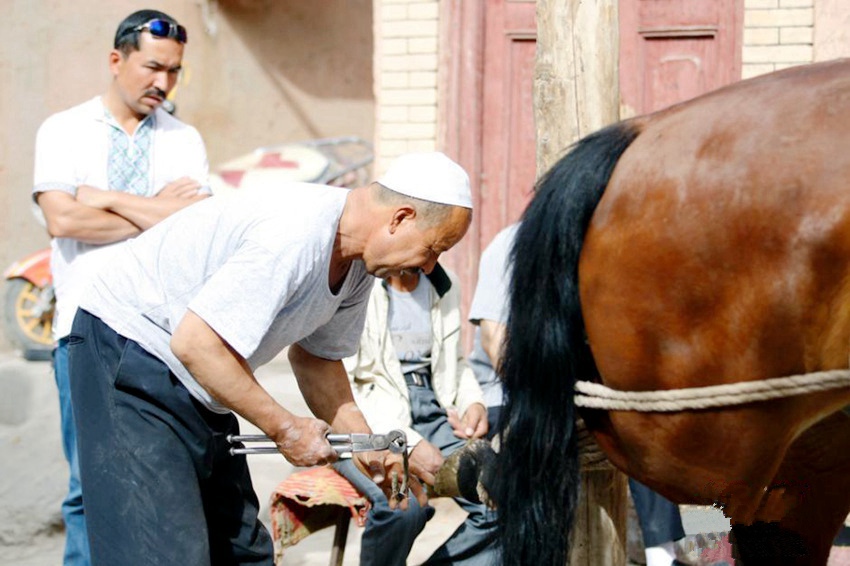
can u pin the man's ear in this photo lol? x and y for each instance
(115, 59)
(402, 214)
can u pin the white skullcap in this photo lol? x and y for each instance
(429, 176)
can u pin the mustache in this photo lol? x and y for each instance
(157, 92)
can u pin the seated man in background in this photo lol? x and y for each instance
(407, 372)
(489, 314)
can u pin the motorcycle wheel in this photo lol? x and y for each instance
(28, 325)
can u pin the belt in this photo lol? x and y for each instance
(419, 378)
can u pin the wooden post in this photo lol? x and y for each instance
(575, 93)
(576, 82)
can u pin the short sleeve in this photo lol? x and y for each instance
(183, 152)
(340, 336)
(490, 301)
(197, 160)
(54, 160)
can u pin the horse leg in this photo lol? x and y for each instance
(767, 544)
(806, 503)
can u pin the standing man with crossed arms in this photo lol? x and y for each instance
(105, 171)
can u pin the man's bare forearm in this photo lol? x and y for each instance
(226, 375)
(67, 218)
(327, 391)
(145, 212)
(492, 338)
(228, 378)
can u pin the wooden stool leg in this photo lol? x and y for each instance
(340, 535)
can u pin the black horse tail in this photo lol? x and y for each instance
(536, 481)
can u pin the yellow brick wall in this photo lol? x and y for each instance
(777, 34)
(406, 59)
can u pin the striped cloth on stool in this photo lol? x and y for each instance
(310, 500)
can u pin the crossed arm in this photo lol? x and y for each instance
(95, 216)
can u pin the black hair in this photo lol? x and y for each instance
(127, 36)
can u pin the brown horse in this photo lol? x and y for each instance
(708, 243)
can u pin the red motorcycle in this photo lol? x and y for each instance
(343, 161)
(29, 305)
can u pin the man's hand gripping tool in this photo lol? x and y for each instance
(395, 441)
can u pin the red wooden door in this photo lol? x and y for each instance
(508, 156)
(673, 50)
(489, 120)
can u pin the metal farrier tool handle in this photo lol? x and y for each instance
(395, 441)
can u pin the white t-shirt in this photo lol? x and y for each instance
(410, 325)
(253, 264)
(72, 149)
(490, 302)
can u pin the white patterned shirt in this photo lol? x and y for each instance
(129, 163)
(73, 148)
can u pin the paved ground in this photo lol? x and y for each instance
(33, 475)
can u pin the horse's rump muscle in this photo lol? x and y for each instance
(718, 252)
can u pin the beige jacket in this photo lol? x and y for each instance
(375, 372)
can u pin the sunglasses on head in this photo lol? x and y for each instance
(164, 29)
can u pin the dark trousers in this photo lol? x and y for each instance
(159, 483)
(389, 534)
(659, 517)
(475, 542)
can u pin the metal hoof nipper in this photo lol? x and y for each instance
(395, 441)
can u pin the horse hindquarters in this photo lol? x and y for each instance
(719, 253)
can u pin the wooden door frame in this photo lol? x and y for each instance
(460, 123)
(461, 114)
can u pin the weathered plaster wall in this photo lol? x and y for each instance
(832, 29)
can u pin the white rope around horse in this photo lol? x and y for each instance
(597, 396)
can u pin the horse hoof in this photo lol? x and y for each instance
(466, 473)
